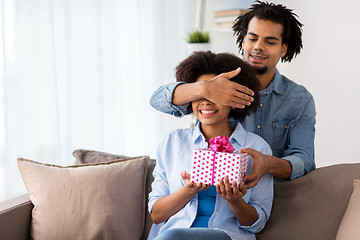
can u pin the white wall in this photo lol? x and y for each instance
(327, 66)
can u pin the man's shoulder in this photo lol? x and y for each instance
(293, 89)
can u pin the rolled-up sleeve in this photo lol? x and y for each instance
(297, 166)
(161, 100)
(261, 198)
(300, 151)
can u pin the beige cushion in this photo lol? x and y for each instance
(311, 207)
(83, 156)
(100, 201)
(349, 228)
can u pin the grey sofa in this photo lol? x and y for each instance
(310, 207)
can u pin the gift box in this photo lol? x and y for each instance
(211, 165)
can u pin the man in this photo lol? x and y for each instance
(286, 116)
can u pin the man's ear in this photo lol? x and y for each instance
(284, 48)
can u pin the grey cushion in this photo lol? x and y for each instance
(83, 156)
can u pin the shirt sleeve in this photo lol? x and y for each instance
(261, 197)
(161, 100)
(300, 151)
(160, 185)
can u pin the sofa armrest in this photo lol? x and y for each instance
(15, 218)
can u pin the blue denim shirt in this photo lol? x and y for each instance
(285, 119)
(174, 156)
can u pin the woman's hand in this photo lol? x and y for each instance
(193, 187)
(244, 212)
(230, 193)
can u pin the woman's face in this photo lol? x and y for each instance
(207, 112)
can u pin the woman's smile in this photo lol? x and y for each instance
(207, 112)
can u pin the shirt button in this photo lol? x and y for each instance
(285, 126)
(216, 213)
(258, 126)
(260, 104)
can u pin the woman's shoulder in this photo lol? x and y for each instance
(178, 134)
(256, 142)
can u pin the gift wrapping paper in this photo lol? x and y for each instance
(210, 167)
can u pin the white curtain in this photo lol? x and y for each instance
(79, 74)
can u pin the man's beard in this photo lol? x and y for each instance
(260, 70)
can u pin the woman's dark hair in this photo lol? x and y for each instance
(276, 13)
(202, 63)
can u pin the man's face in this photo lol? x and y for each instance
(263, 46)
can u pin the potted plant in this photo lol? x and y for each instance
(198, 40)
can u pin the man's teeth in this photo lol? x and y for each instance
(207, 112)
(258, 57)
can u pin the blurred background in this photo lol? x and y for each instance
(80, 74)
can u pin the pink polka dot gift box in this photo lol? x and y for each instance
(211, 165)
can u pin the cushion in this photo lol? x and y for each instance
(349, 226)
(83, 156)
(86, 201)
(312, 206)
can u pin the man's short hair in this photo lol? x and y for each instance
(292, 31)
(203, 63)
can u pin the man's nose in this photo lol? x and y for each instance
(259, 45)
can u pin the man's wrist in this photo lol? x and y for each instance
(278, 167)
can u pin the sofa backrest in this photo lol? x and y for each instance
(312, 206)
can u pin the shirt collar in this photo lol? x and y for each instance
(275, 85)
(197, 134)
(239, 134)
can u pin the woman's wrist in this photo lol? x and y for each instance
(189, 191)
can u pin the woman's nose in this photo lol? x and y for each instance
(205, 102)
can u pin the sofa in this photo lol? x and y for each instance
(310, 207)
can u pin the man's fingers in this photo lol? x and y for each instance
(250, 185)
(243, 89)
(238, 99)
(250, 180)
(243, 189)
(231, 74)
(241, 98)
(249, 151)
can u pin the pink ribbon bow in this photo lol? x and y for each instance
(221, 144)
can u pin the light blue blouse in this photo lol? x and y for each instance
(174, 156)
